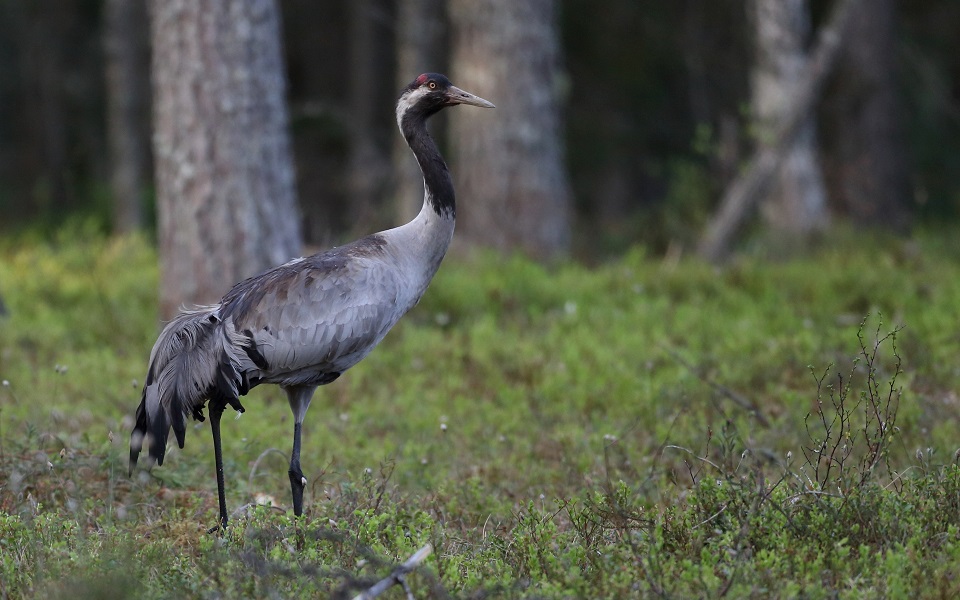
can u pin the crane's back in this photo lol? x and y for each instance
(313, 318)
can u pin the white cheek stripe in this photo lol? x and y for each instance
(408, 100)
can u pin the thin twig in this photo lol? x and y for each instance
(723, 390)
(256, 464)
(711, 517)
(813, 493)
(693, 454)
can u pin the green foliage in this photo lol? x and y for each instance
(637, 429)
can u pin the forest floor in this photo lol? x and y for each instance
(642, 428)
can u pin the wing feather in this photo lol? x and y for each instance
(321, 315)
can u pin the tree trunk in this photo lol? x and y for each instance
(421, 43)
(745, 191)
(796, 202)
(225, 182)
(870, 178)
(508, 163)
(41, 33)
(318, 103)
(127, 55)
(370, 119)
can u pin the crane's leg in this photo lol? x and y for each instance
(299, 398)
(215, 413)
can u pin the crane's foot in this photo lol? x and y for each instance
(220, 527)
(297, 484)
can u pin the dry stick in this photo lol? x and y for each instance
(745, 191)
(751, 408)
(399, 575)
(256, 464)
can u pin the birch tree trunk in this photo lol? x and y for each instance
(508, 166)
(225, 181)
(746, 189)
(796, 200)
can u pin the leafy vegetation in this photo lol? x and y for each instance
(643, 428)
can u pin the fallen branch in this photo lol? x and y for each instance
(752, 409)
(399, 575)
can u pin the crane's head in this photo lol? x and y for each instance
(431, 92)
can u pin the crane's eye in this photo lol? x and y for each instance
(432, 84)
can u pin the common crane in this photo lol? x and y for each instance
(302, 324)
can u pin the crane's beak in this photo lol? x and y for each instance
(457, 96)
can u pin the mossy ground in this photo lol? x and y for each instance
(641, 428)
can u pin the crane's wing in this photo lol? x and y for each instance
(317, 317)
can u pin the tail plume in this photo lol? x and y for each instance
(195, 359)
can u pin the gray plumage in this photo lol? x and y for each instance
(302, 324)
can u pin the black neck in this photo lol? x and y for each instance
(436, 176)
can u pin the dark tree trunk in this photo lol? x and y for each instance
(41, 30)
(870, 175)
(318, 99)
(225, 181)
(421, 44)
(508, 163)
(127, 56)
(370, 117)
(795, 205)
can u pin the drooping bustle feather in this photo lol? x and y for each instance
(194, 359)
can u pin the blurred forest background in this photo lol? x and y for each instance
(657, 105)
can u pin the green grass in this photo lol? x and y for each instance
(637, 429)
